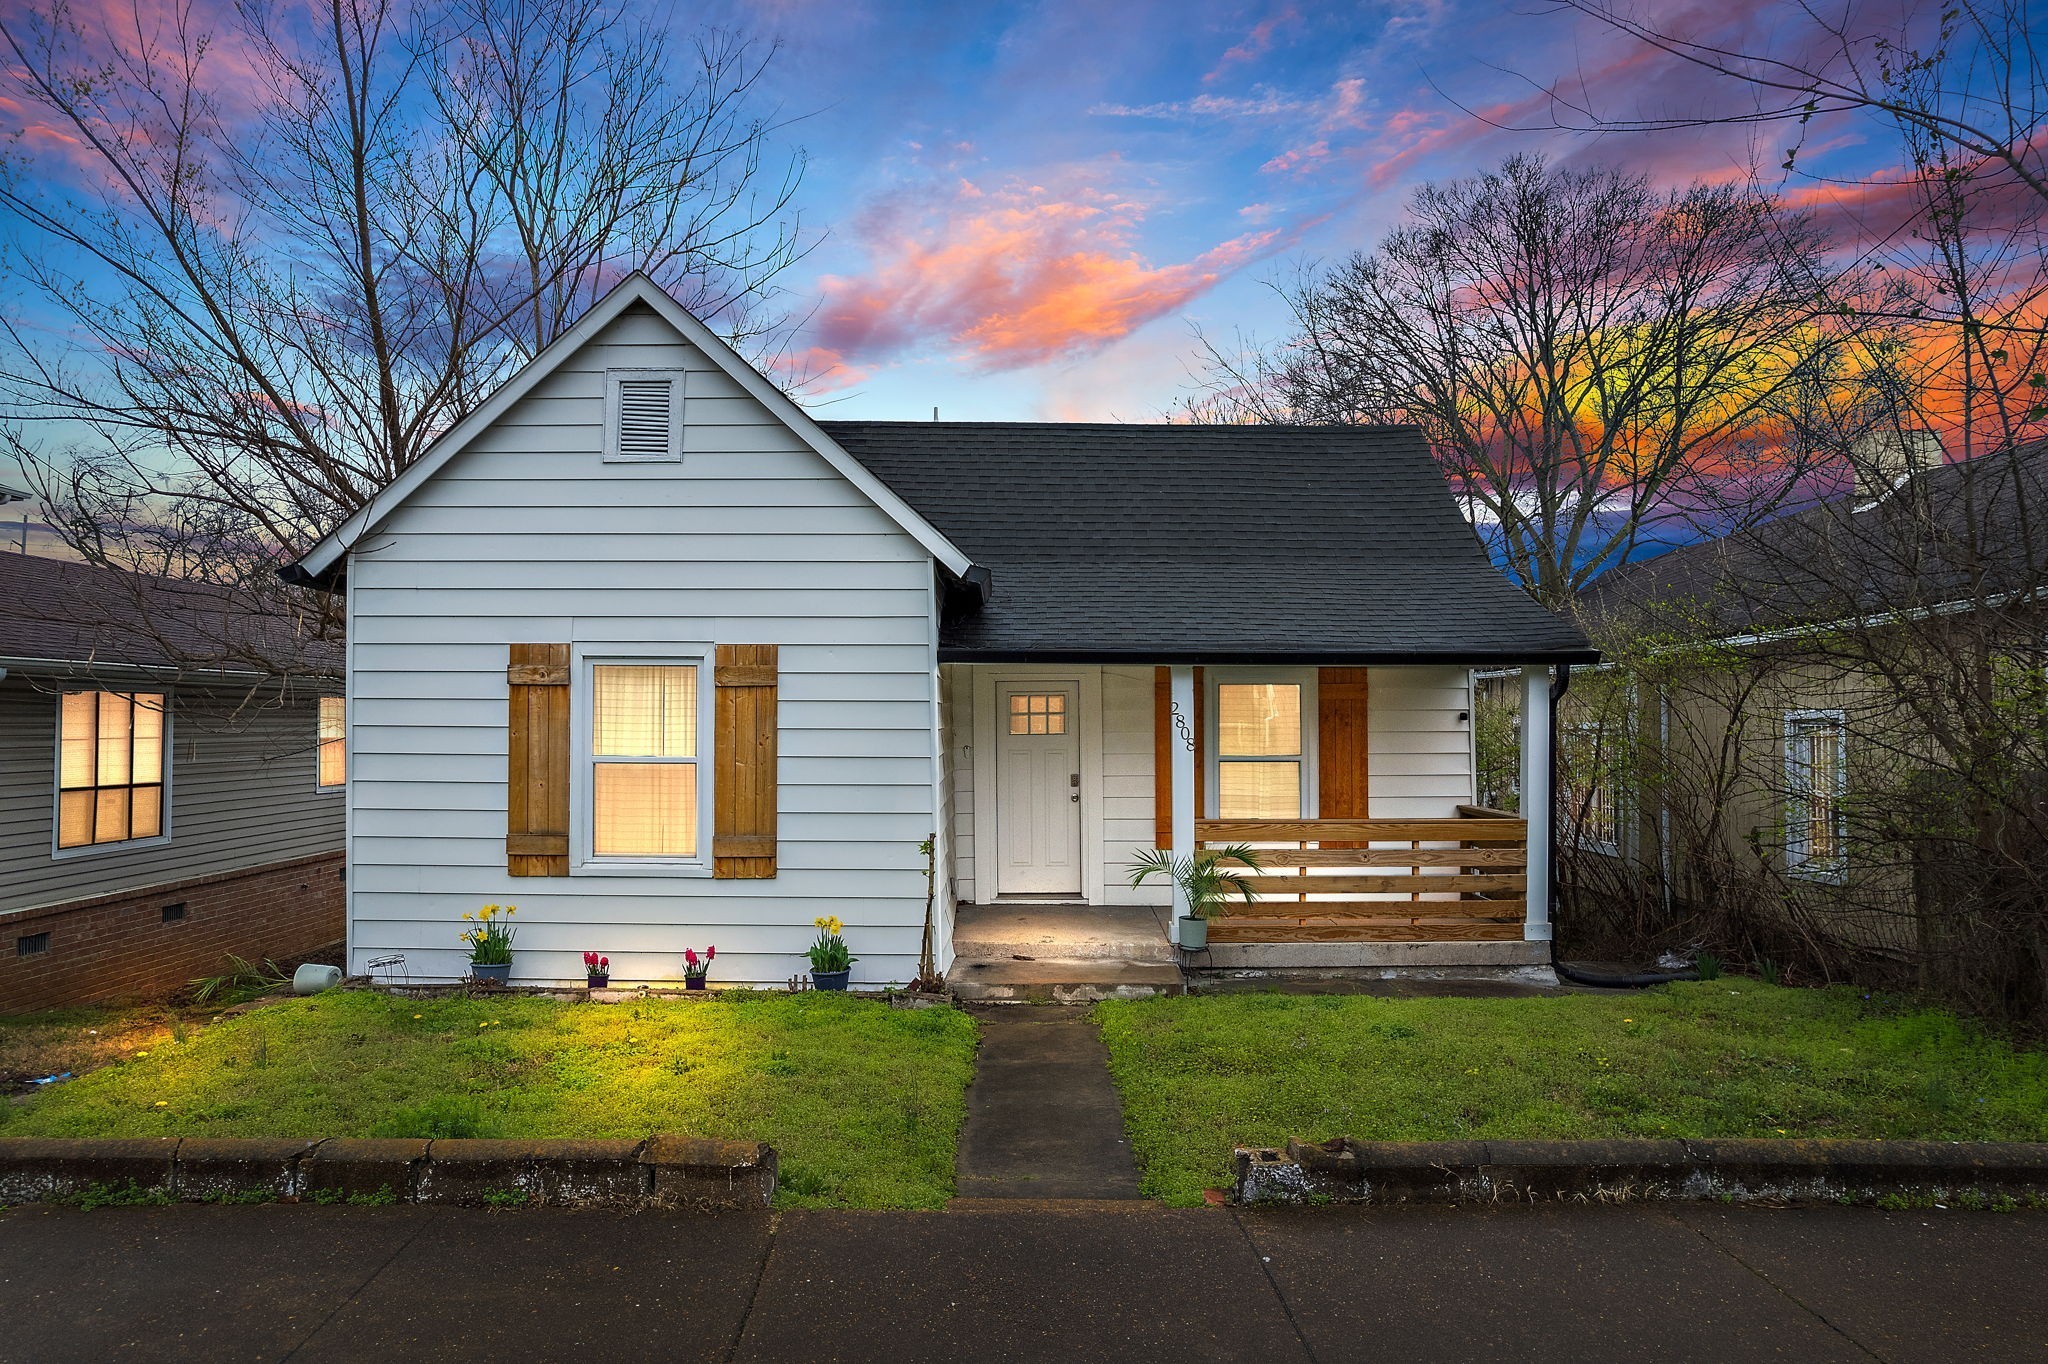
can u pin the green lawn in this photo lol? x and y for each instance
(862, 1101)
(1723, 1058)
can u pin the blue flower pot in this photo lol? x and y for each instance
(496, 975)
(830, 980)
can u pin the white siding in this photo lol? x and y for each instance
(528, 536)
(242, 794)
(1419, 753)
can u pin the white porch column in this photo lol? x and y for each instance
(1538, 801)
(1181, 696)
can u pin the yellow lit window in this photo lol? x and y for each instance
(333, 742)
(644, 751)
(1038, 714)
(110, 767)
(1258, 750)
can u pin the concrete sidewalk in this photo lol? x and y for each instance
(1089, 1281)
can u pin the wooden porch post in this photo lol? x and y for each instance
(1181, 698)
(1538, 801)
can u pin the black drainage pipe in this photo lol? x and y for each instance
(1638, 980)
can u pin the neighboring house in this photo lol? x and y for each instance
(164, 801)
(1786, 694)
(643, 649)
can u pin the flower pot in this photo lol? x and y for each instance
(830, 980)
(695, 982)
(498, 974)
(599, 982)
(1194, 934)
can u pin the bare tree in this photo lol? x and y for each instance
(1592, 360)
(1963, 75)
(284, 254)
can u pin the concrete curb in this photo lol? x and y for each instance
(1744, 1169)
(693, 1174)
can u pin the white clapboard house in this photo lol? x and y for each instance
(643, 649)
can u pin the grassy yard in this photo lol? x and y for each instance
(1722, 1058)
(862, 1101)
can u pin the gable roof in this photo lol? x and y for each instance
(326, 562)
(1179, 543)
(62, 617)
(1918, 549)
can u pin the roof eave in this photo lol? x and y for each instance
(1292, 657)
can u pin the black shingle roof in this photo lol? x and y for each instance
(1922, 547)
(1179, 543)
(73, 616)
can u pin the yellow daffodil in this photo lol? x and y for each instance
(469, 914)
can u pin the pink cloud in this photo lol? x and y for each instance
(1011, 276)
(1256, 43)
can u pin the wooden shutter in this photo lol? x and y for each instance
(1162, 753)
(537, 761)
(1341, 744)
(743, 758)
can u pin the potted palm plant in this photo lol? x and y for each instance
(831, 962)
(1206, 877)
(490, 943)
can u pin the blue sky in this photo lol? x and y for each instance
(1025, 208)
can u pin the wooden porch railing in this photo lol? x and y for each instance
(1472, 870)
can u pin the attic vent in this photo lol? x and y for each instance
(643, 418)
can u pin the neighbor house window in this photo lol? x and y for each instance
(1260, 763)
(333, 743)
(644, 747)
(1592, 800)
(110, 767)
(1816, 770)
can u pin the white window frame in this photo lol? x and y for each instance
(584, 661)
(319, 741)
(1624, 828)
(1311, 738)
(1798, 861)
(57, 778)
(612, 379)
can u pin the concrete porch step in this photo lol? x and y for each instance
(1056, 980)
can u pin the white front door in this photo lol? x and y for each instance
(1038, 789)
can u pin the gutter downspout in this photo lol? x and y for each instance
(1639, 980)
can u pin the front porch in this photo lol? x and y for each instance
(1059, 775)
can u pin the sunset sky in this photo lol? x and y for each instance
(1023, 210)
(1026, 207)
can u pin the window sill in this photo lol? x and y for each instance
(679, 870)
(99, 849)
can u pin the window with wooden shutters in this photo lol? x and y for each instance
(642, 760)
(748, 680)
(643, 415)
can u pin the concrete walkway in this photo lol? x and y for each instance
(1043, 1118)
(1026, 1281)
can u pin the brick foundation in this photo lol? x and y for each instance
(120, 946)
